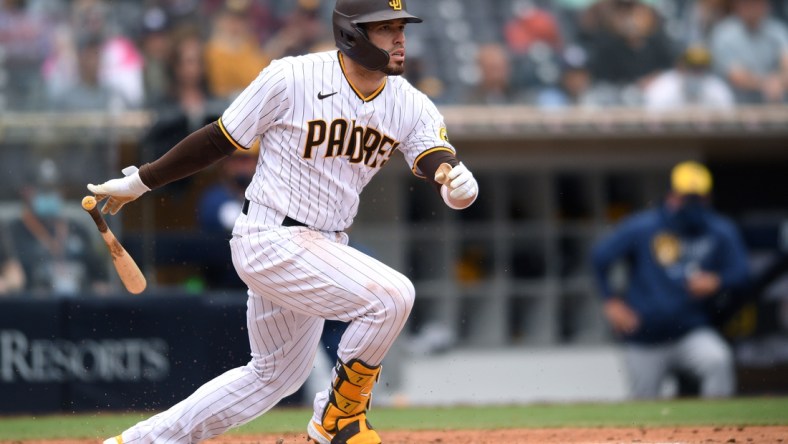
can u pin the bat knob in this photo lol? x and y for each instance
(442, 174)
(88, 203)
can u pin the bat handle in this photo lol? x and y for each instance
(442, 174)
(89, 204)
(99, 220)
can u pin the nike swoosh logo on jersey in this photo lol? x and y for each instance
(321, 96)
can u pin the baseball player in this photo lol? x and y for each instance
(325, 123)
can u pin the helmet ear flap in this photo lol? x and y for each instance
(349, 38)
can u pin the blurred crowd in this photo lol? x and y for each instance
(657, 54)
(97, 55)
(185, 60)
(193, 56)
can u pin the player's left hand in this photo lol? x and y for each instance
(459, 187)
(120, 191)
(459, 181)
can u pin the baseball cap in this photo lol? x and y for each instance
(697, 57)
(691, 177)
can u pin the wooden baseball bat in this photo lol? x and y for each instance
(127, 269)
(442, 174)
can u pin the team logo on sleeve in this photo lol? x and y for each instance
(667, 249)
(444, 134)
(396, 5)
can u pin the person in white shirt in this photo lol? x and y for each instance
(691, 83)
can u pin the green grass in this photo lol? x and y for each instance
(749, 411)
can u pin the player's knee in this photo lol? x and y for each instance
(397, 301)
(405, 297)
(718, 357)
(714, 360)
(408, 295)
(269, 372)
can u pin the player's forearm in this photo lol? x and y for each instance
(429, 164)
(197, 151)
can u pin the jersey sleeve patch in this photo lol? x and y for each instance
(444, 134)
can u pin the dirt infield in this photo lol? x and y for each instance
(705, 435)
(672, 435)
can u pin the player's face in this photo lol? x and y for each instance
(390, 36)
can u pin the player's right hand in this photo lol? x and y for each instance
(119, 191)
(621, 317)
(702, 284)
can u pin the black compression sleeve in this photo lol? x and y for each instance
(197, 151)
(429, 164)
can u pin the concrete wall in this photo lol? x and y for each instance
(496, 377)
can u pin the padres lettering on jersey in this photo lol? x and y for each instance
(321, 142)
(361, 145)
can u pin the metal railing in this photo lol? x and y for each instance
(463, 121)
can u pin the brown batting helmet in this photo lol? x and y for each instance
(352, 39)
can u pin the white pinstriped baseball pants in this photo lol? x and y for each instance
(702, 352)
(297, 277)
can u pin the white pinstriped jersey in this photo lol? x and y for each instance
(321, 142)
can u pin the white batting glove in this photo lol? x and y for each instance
(460, 188)
(120, 191)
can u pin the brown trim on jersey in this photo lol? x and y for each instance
(197, 151)
(429, 160)
(228, 136)
(369, 98)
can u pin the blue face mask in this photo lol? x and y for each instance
(690, 217)
(47, 204)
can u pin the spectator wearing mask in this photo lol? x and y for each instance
(59, 257)
(218, 208)
(221, 203)
(750, 51)
(691, 84)
(679, 257)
